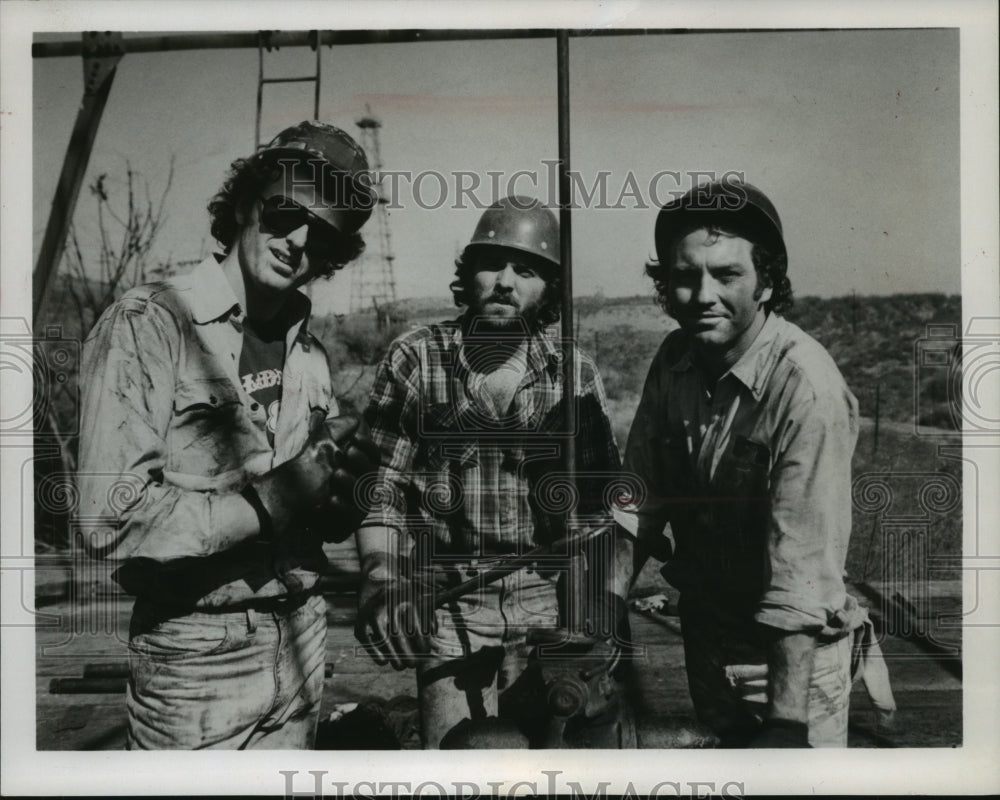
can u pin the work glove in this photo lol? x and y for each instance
(781, 733)
(395, 617)
(298, 486)
(355, 454)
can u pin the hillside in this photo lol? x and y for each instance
(872, 339)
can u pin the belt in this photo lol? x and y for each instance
(155, 611)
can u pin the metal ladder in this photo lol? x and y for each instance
(264, 43)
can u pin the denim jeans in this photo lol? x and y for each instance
(479, 650)
(248, 679)
(727, 677)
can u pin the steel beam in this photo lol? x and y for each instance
(279, 39)
(566, 253)
(575, 574)
(224, 41)
(102, 52)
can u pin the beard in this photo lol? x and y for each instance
(500, 314)
(509, 327)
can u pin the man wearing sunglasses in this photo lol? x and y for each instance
(467, 415)
(213, 462)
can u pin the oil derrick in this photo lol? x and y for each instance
(373, 281)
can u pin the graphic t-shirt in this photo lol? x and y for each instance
(261, 362)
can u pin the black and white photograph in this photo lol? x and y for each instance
(566, 377)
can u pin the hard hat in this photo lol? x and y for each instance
(521, 223)
(345, 182)
(727, 203)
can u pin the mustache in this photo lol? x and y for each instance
(504, 299)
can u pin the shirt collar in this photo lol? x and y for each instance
(542, 352)
(214, 300)
(754, 367)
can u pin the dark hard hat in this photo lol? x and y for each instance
(521, 223)
(344, 182)
(730, 204)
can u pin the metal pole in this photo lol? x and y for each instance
(279, 39)
(533, 558)
(225, 41)
(566, 250)
(319, 67)
(260, 90)
(101, 56)
(575, 576)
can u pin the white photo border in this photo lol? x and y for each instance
(968, 769)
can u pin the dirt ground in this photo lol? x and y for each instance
(77, 636)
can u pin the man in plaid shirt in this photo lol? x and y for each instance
(467, 416)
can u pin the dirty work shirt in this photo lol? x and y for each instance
(754, 477)
(455, 467)
(167, 426)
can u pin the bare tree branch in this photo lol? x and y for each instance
(116, 255)
(357, 380)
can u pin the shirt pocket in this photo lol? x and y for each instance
(210, 432)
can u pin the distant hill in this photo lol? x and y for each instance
(872, 339)
(420, 306)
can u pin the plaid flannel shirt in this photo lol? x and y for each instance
(457, 477)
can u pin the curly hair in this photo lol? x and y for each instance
(246, 179)
(771, 268)
(548, 311)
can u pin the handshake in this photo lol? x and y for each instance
(315, 489)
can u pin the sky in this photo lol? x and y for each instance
(854, 135)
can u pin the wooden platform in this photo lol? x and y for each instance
(69, 636)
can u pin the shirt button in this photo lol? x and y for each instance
(254, 406)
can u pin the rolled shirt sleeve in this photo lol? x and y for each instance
(810, 512)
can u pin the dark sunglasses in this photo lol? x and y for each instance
(282, 215)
